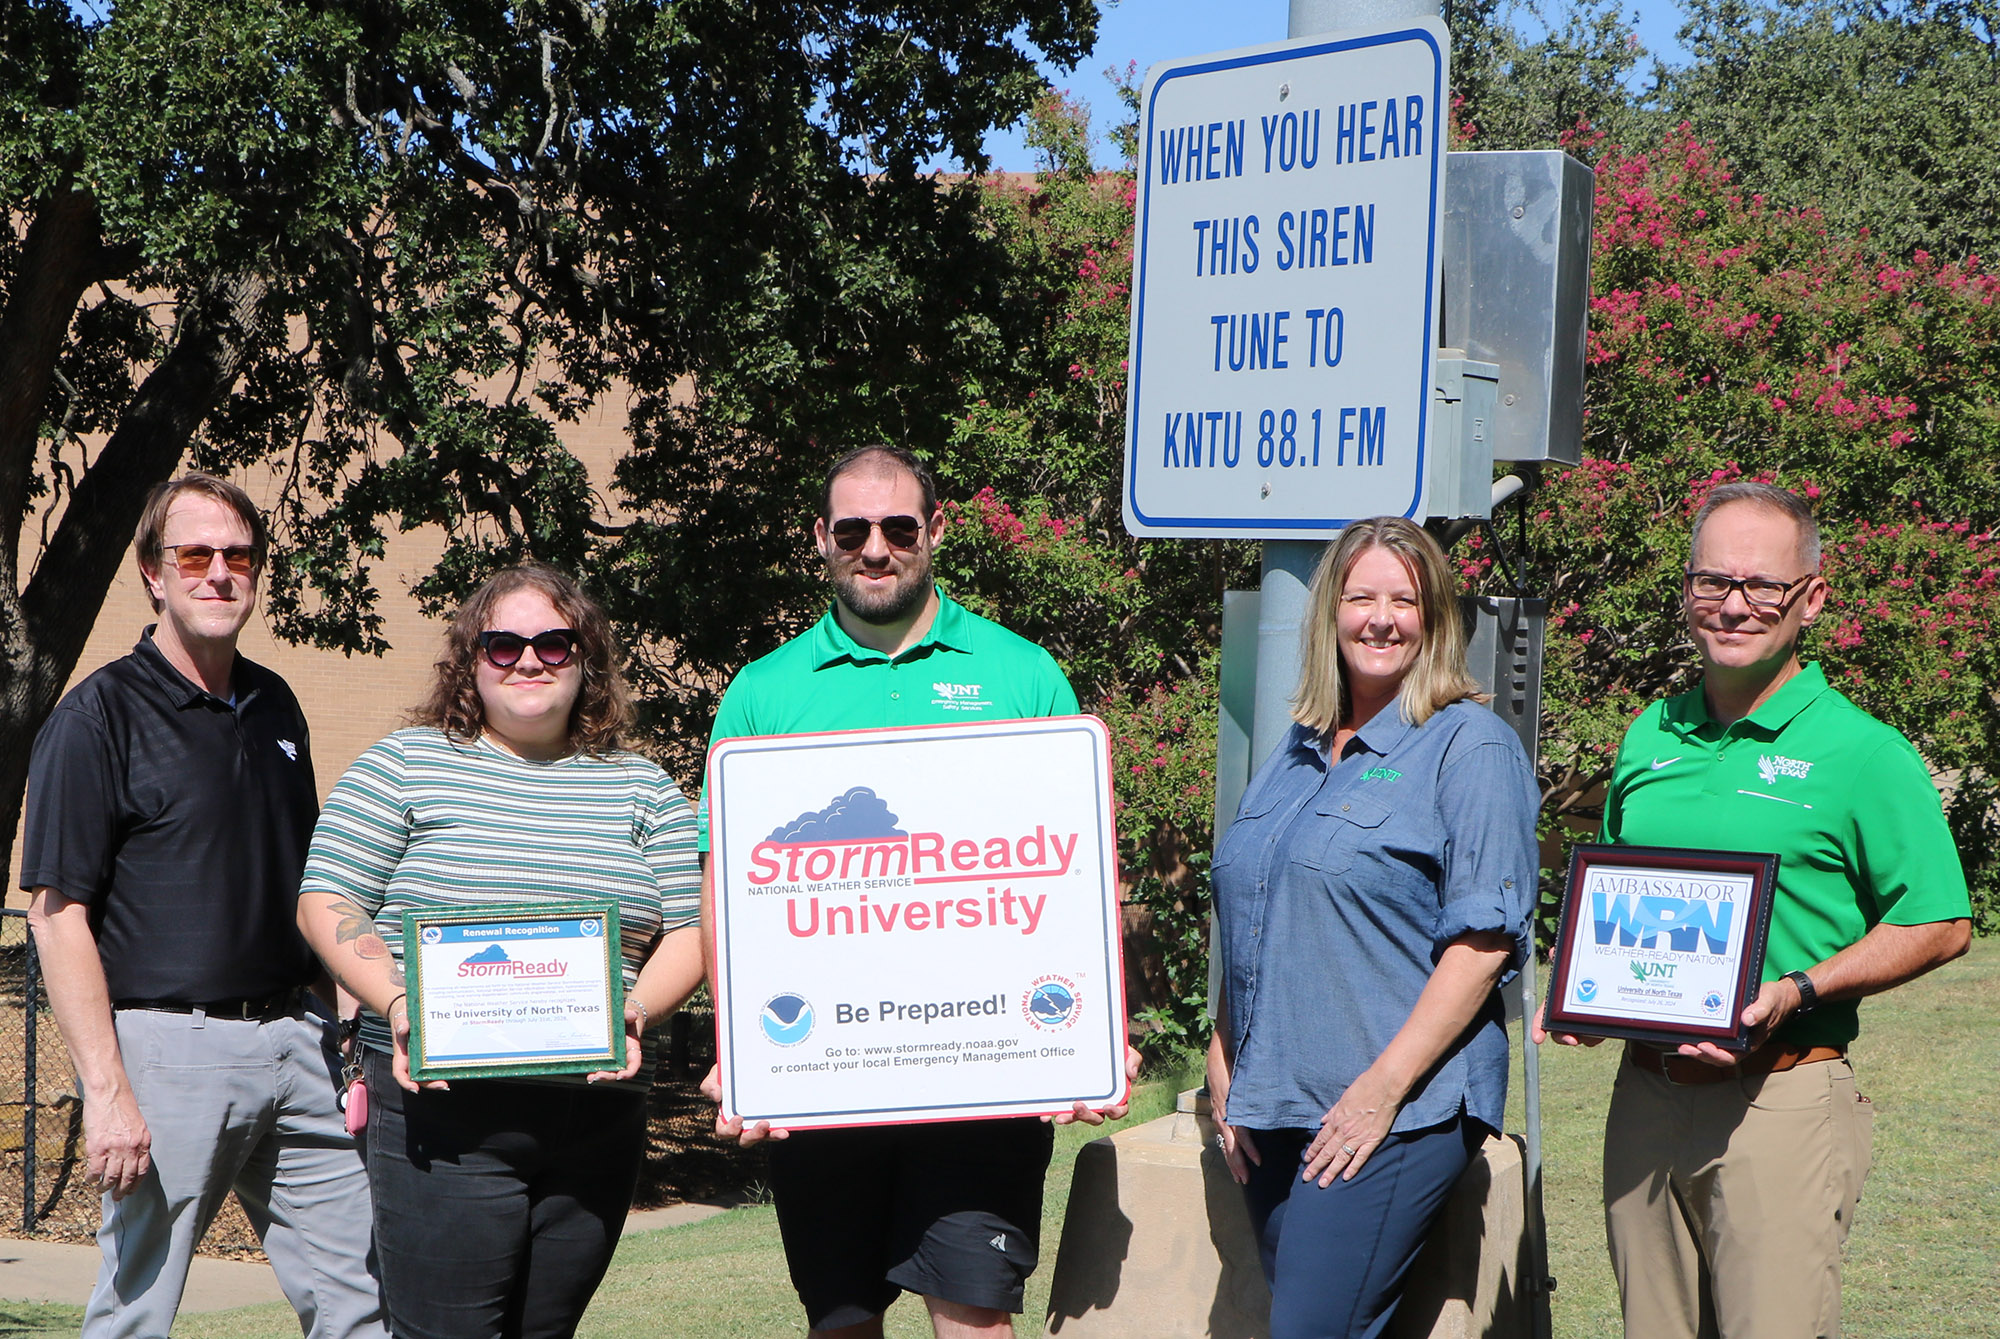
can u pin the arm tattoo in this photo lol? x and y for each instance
(354, 923)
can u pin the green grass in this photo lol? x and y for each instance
(726, 1276)
(1923, 1261)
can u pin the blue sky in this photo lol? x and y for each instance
(1154, 30)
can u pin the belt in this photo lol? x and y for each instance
(261, 1008)
(1764, 1060)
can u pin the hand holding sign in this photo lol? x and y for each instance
(917, 924)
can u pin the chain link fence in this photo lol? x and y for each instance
(41, 1117)
(43, 1191)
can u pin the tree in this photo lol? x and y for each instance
(1733, 339)
(1883, 117)
(1513, 92)
(394, 243)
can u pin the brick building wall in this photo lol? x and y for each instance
(350, 701)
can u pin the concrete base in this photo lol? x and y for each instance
(1157, 1242)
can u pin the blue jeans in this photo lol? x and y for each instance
(498, 1204)
(1336, 1258)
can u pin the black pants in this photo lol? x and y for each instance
(498, 1204)
(952, 1210)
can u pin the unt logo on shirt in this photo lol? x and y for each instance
(1771, 766)
(959, 696)
(1381, 774)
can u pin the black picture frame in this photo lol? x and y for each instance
(1654, 1009)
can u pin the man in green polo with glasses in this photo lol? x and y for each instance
(1730, 1181)
(950, 1211)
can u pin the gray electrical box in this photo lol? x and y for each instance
(1504, 652)
(1517, 290)
(1464, 398)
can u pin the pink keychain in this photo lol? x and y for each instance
(353, 1095)
(355, 1102)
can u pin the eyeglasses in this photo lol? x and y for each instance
(898, 532)
(1758, 593)
(553, 648)
(194, 560)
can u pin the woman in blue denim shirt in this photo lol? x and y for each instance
(1372, 895)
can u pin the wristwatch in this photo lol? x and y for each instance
(1808, 996)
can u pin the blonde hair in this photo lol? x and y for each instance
(1435, 680)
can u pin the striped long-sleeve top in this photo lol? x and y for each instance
(426, 822)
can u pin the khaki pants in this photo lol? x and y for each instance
(1727, 1204)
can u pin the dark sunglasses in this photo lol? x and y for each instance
(898, 532)
(553, 648)
(194, 560)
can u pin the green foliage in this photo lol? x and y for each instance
(1039, 543)
(1733, 339)
(398, 242)
(1513, 93)
(1884, 117)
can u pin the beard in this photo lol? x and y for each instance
(881, 607)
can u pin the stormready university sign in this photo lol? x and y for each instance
(917, 924)
(1285, 285)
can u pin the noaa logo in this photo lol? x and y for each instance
(1586, 990)
(1712, 1002)
(787, 1019)
(1051, 1003)
(432, 935)
(590, 929)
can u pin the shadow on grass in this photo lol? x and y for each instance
(30, 1320)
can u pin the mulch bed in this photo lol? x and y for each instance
(684, 1160)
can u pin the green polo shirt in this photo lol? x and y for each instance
(966, 668)
(1843, 800)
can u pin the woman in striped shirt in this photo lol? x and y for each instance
(498, 1201)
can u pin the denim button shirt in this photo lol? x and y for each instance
(1337, 889)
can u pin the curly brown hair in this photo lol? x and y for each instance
(603, 710)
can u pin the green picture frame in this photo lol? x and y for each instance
(515, 989)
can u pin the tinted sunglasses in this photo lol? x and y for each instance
(898, 532)
(553, 648)
(193, 560)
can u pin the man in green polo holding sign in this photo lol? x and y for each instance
(951, 1211)
(1730, 1180)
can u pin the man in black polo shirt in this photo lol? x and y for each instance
(170, 802)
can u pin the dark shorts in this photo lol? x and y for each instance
(949, 1210)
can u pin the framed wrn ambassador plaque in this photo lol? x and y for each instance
(1661, 944)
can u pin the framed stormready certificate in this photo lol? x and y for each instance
(511, 990)
(1661, 944)
(917, 924)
